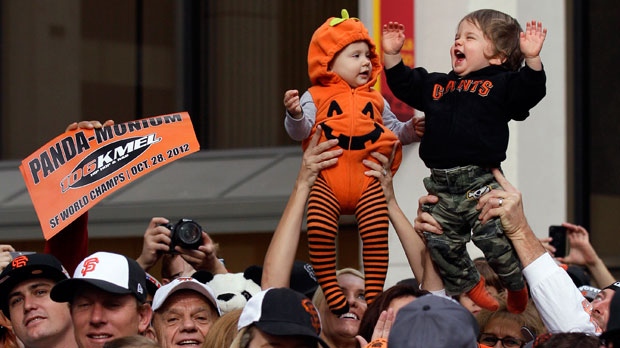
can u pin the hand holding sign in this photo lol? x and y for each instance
(88, 125)
(77, 169)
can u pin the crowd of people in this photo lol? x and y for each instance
(108, 300)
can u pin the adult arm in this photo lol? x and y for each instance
(413, 245)
(582, 253)
(74, 237)
(280, 254)
(560, 304)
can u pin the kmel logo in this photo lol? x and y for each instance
(106, 160)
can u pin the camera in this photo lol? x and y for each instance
(186, 233)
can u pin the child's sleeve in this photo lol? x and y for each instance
(300, 129)
(404, 130)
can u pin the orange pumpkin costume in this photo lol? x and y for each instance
(352, 115)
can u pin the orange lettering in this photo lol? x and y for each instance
(464, 85)
(450, 86)
(474, 86)
(485, 88)
(437, 91)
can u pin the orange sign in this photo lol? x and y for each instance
(77, 169)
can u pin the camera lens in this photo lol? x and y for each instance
(189, 234)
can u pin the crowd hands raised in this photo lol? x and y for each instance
(110, 302)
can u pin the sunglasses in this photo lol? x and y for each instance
(507, 342)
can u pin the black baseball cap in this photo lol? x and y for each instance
(25, 267)
(282, 312)
(302, 277)
(613, 324)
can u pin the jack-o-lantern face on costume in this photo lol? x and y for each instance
(355, 120)
(353, 142)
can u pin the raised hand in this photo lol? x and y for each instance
(393, 38)
(155, 242)
(581, 251)
(532, 39)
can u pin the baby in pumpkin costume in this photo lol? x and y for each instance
(343, 66)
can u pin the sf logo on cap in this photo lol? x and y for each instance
(89, 265)
(314, 316)
(20, 261)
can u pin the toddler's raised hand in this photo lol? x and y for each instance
(531, 41)
(393, 38)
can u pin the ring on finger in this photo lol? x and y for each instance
(500, 201)
(384, 171)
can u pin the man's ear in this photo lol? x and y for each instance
(145, 314)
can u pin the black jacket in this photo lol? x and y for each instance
(467, 117)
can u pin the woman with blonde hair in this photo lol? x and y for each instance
(513, 330)
(223, 331)
(340, 330)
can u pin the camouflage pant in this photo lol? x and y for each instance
(458, 190)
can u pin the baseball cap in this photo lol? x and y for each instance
(110, 272)
(613, 323)
(26, 267)
(183, 283)
(434, 321)
(152, 284)
(614, 286)
(589, 292)
(302, 277)
(282, 312)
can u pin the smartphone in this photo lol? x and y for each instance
(558, 233)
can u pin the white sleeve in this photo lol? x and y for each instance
(561, 306)
(299, 129)
(403, 130)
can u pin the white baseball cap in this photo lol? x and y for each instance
(183, 283)
(110, 272)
